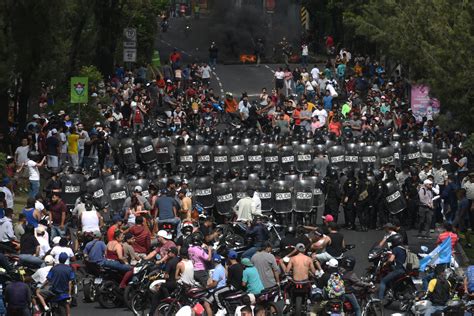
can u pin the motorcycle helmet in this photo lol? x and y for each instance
(187, 230)
(361, 175)
(291, 230)
(394, 241)
(348, 263)
(421, 307)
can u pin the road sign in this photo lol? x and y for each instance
(129, 44)
(130, 34)
(304, 18)
(130, 55)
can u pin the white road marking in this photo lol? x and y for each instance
(269, 68)
(182, 51)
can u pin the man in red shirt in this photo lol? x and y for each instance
(297, 118)
(175, 58)
(142, 236)
(57, 215)
(448, 232)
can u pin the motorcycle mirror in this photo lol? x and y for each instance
(424, 249)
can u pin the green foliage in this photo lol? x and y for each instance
(469, 143)
(434, 38)
(92, 73)
(3, 163)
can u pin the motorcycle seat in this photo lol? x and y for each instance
(235, 295)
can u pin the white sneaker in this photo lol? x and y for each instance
(221, 312)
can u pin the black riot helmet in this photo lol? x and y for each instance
(361, 175)
(395, 240)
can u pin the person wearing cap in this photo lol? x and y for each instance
(137, 192)
(94, 250)
(40, 275)
(60, 279)
(332, 266)
(53, 149)
(43, 239)
(300, 265)
(328, 218)
(250, 278)
(425, 210)
(390, 230)
(61, 246)
(266, 265)
(235, 271)
(165, 243)
(217, 285)
(171, 283)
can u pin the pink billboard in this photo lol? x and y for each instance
(422, 104)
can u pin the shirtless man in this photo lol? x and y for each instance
(301, 265)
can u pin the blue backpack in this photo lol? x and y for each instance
(470, 279)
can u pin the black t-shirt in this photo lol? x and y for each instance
(170, 269)
(335, 248)
(52, 143)
(234, 276)
(28, 244)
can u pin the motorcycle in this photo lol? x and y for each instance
(141, 273)
(103, 286)
(296, 296)
(402, 289)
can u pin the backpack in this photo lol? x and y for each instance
(335, 286)
(470, 279)
(412, 262)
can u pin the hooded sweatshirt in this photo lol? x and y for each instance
(142, 238)
(6, 230)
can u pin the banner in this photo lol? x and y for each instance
(79, 89)
(422, 104)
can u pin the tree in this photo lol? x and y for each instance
(434, 38)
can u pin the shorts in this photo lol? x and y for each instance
(279, 83)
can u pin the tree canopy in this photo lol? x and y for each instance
(44, 41)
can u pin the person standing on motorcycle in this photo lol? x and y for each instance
(397, 259)
(438, 292)
(218, 286)
(60, 277)
(352, 283)
(349, 197)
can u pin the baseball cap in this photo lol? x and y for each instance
(300, 247)
(63, 257)
(389, 225)
(138, 189)
(164, 234)
(232, 254)
(328, 218)
(427, 181)
(97, 234)
(40, 229)
(54, 131)
(56, 240)
(246, 262)
(49, 260)
(333, 263)
(216, 258)
(36, 116)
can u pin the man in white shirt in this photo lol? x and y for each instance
(304, 55)
(34, 176)
(245, 208)
(315, 73)
(244, 108)
(60, 248)
(40, 275)
(83, 138)
(206, 74)
(257, 203)
(321, 113)
(8, 194)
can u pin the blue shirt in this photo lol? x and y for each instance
(95, 251)
(219, 276)
(252, 279)
(30, 219)
(400, 257)
(327, 102)
(165, 207)
(59, 277)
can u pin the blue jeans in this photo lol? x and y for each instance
(387, 279)
(212, 62)
(355, 304)
(31, 260)
(34, 188)
(434, 309)
(56, 231)
(249, 252)
(115, 265)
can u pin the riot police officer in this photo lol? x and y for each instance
(410, 189)
(332, 191)
(363, 202)
(349, 198)
(378, 216)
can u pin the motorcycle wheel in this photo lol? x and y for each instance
(298, 306)
(128, 295)
(89, 291)
(140, 304)
(107, 296)
(408, 296)
(166, 309)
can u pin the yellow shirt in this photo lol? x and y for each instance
(72, 141)
(311, 106)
